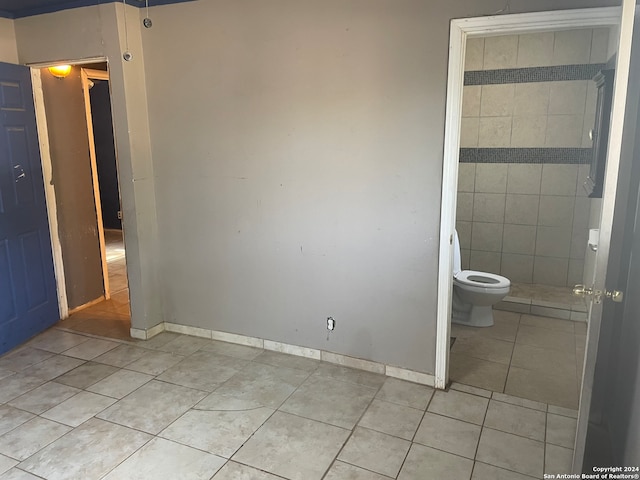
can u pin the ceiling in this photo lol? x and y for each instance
(26, 8)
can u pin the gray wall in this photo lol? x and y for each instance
(528, 221)
(98, 31)
(297, 149)
(8, 47)
(71, 167)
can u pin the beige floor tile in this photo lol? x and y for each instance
(557, 459)
(257, 385)
(375, 451)
(74, 455)
(11, 418)
(16, 385)
(232, 350)
(350, 375)
(86, 375)
(544, 359)
(56, 341)
(448, 434)
(391, 418)
(580, 328)
(405, 393)
(331, 401)
(544, 338)
(548, 323)
(152, 407)
(519, 401)
(277, 359)
(44, 397)
(236, 471)
(511, 452)
(184, 345)
(484, 348)
(220, 433)
(461, 387)
(91, 349)
(6, 463)
(17, 474)
(293, 447)
(478, 373)
(53, 367)
(30, 437)
(482, 471)
(425, 462)
(159, 340)
(120, 383)
(517, 420)
(23, 358)
(561, 390)
(565, 412)
(154, 363)
(203, 371)
(459, 405)
(79, 408)
(343, 471)
(121, 356)
(165, 460)
(505, 326)
(561, 430)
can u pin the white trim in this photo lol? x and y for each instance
(84, 78)
(49, 192)
(460, 30)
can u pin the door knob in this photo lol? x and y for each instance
(582, 291)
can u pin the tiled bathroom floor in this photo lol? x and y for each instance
(74, 406)
(528, 356)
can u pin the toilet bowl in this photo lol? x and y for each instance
(474, 293)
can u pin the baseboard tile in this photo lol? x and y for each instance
(410, 375)
(142, 334)
(292, 349)
(330, 357)
(352, 362)
(186, 330)
(238, 339)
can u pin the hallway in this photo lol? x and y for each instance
(109, 318)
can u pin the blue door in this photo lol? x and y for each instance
(28, 300)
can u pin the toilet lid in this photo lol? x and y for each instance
(481, 279)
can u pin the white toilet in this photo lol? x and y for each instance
(474, 293)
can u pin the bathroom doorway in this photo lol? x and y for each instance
(517, 177)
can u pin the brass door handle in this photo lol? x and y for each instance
(584, 291)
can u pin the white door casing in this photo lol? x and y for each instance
(461, 29)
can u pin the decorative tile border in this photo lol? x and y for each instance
(558, 73)
(572, 156)
(330, 357)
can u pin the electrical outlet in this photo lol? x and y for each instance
(331, 323)
(119, 214)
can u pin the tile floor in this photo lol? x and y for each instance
(110, 318)
(75, 406)
(528, 356)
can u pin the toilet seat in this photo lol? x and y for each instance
(485, 280)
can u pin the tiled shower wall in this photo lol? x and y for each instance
(526, 216)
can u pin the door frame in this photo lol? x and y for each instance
(461, 30)
(50, 194)
(85, 75)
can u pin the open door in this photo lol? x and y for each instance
(28, 298)
(605, 290)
